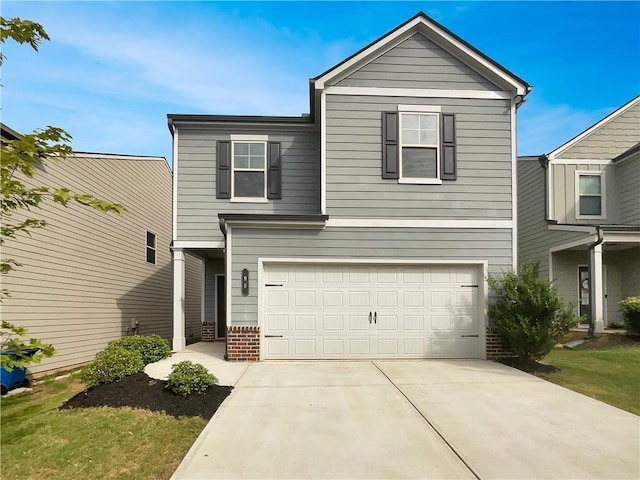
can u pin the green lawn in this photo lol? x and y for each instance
(604, 370)
(38, 441)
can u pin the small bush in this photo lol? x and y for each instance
(630, 309)
(110, 365)
(527, 314)
(152, 348)
(187, 377)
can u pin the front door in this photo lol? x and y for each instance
(584, 284)
(221, 307)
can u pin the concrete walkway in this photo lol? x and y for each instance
(410, 419)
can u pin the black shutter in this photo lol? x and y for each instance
(390, 145)
(448, 169)
(274, 171)
(223, 170)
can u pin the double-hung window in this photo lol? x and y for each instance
(590, 194)
(419, 148)
(249, 177)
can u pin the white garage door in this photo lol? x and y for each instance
(356, 311)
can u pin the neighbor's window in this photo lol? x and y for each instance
(249, 173)
(151, 248)
(590, 195)
(419, 147)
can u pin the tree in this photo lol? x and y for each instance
(21, 155)
(527, 313)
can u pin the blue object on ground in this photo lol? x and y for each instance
(16, 377)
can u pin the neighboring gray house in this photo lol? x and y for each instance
(366, 228)
(89, 277)
(579, 212)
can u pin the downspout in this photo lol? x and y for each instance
(223, 228)
(591, 296)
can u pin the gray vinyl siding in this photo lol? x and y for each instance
(84, 278)
(354, 155)
(565, 208)
(198, 207)
(565, 273)
(417, 62)
(630, 273)
(627, 179)
(610, 140)
(534, 237)
(493, 245)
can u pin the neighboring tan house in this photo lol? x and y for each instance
(579, 212)
(365, 229)
(89, 277)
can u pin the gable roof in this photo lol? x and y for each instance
(422, 23)
(567, 145)
(627, 154)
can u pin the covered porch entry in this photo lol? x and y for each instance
(596, 273)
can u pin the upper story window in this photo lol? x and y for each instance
(249, 177)
(151, 248)
(419, 147)
(590, 194)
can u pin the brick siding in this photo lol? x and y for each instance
(243, 343)
(495, 349)
(208, 332)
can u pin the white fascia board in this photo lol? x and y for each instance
(419, 24)
(577, 161)
(418, 93)
(417, 223)
(514, 187)
(374, 261)
(291, 224)
(621, 237)
(573, 228)
(192, 244)
(323, 153)
(562, 148)
(174, 192)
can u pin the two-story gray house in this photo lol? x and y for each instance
(579, 212)
(366, 228)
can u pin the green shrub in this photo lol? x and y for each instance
(630, 309)
(187, 377)
(110, 365)
(152, 348)
(527, 313)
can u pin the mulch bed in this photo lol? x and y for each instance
(142, 391)
(530, 367)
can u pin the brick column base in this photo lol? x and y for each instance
(208, 332)
(243, 343)
(495, 349)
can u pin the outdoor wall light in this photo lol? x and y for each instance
(245, 282)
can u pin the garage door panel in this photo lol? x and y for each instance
(327, 311)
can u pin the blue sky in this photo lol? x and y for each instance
(112, 71)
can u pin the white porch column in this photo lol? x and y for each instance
(597, 293)
(179, 340)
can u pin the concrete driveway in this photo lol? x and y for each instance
(410, 419)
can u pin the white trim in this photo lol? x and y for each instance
(178, 262)
(603, 188)
(596, 283)
(323, 153)
(217, 297)
(483, 308)
(418, 92)
(416, 223)
(190, 244)
(249, 199)
(573, 228)
(575, 243)
(621, 237)
(421, 181)
(437, 146)
(249, 138)
(228, 273)
(588, 131)
(576, 161)
(550, 195)
(422, 25)
(420, 108)
(514, 187)
(276, 224)
(174, 190)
